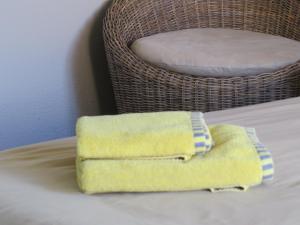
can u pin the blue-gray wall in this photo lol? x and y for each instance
(46, 67)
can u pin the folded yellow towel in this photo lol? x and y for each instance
(143, 135)
(233, 162)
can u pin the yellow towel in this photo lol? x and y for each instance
(233, 162)
(142, 135)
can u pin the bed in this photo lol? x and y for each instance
(38, 187)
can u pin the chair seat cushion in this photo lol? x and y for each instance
(217, 52)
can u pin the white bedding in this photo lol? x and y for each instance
(37, 184)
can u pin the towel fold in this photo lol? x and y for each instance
(234, 162)
(143, 136)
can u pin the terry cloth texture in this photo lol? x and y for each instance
(233, 162)
(143, 136)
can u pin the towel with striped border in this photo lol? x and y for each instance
(157, 135)
(234, 163)
(265, 156)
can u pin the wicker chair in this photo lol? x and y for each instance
(140, 87)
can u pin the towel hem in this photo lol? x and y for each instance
(201, 133)
(264, 154)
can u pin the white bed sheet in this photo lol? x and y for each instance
(37, 183)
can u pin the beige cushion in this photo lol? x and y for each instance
(217, 52)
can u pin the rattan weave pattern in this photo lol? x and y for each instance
(141, 87)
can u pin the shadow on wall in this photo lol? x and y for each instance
(92, 84)
(100, 66)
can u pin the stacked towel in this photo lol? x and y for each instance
(160, 152)
(143, 136)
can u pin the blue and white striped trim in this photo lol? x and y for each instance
(265, 156)
(202, 137)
